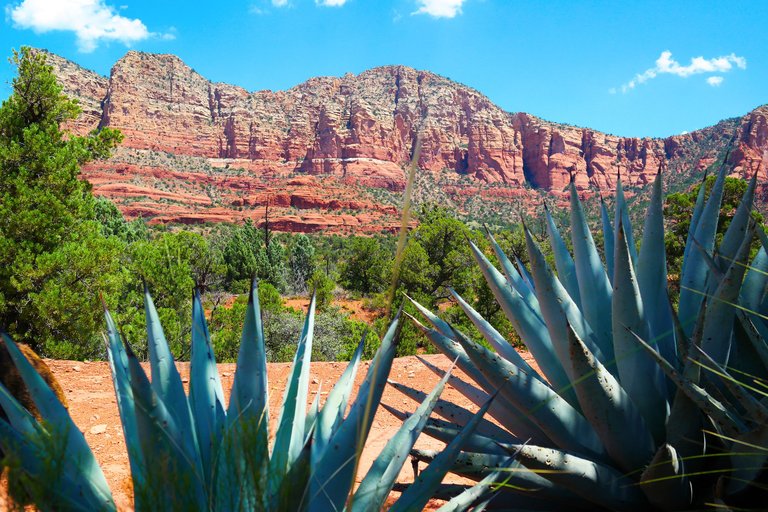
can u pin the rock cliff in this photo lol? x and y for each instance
(329, 153)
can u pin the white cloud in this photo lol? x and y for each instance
(439, 8)
(665, 64)
(330, 3)
(715, 81)
(279, 3)
(92, 21)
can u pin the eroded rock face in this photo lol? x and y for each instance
(355, 134)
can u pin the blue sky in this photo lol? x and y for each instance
(651, 68)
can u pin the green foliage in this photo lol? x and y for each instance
(302, 262)
(323, 287)
(366, 267)
(53, 259)
(437, 255)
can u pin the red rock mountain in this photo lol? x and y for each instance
(329, 154)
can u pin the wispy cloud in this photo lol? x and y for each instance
(92, 21)
(715, 81)
(280, 3)
(665, 64)
(439, 8)
(330, 3)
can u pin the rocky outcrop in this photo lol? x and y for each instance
(356, 133)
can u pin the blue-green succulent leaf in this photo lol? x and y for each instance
(330, 416)
(608, 242)
(493, 337)
(596, 482)
(638, 374)
(693, 279)
(206, 397)
(652, 277)
(375, 487)
(527, 323)
(566, 268)
(166, 381)
(290, 436)
(664, 481)
(418, 494)
(554, 416)
(333, 475)
(558, 310)
(593, 281)
(609, 409)
(90, 484)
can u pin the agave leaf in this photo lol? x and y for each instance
(622, 217)
(693, 279)
(381, 476)
(418, 494)
(754, 410)
(493, 337)
(437, 322)
(474, 465)
(445, 432)
(502, 411)
(756, 333)
(477, 493)
(638, 374)
(608, 242)
(713, 408)
(206, 397)
(748, 466)
(289, 495)
(609, 409)
(593, 281)
(290, 436)
(250, 389)
(89, 482)
(738, 229)
(175, 478)
(476, 395)
(525, 273)
(452, 349)
(721, 311)
(514, 278)
(455, 413)
(566, 268)
(334, 473)
(558, 309)
(652, 277)
(166, 381)
(527, 323)
(330, 416)
(664, 481)
(59, 491)
(593, 481)
(755, 281)
(126, 405)
(554, 416)
(698, 209)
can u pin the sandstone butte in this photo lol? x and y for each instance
(329, 154)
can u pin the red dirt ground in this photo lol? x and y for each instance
(88, 388)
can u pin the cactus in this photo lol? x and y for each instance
(636, 406)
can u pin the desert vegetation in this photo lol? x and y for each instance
(650, 344)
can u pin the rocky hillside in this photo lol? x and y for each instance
(329, 154)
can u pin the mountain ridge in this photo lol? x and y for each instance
(347, 139)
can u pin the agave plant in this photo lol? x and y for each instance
(636, 406)
(190, 452)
